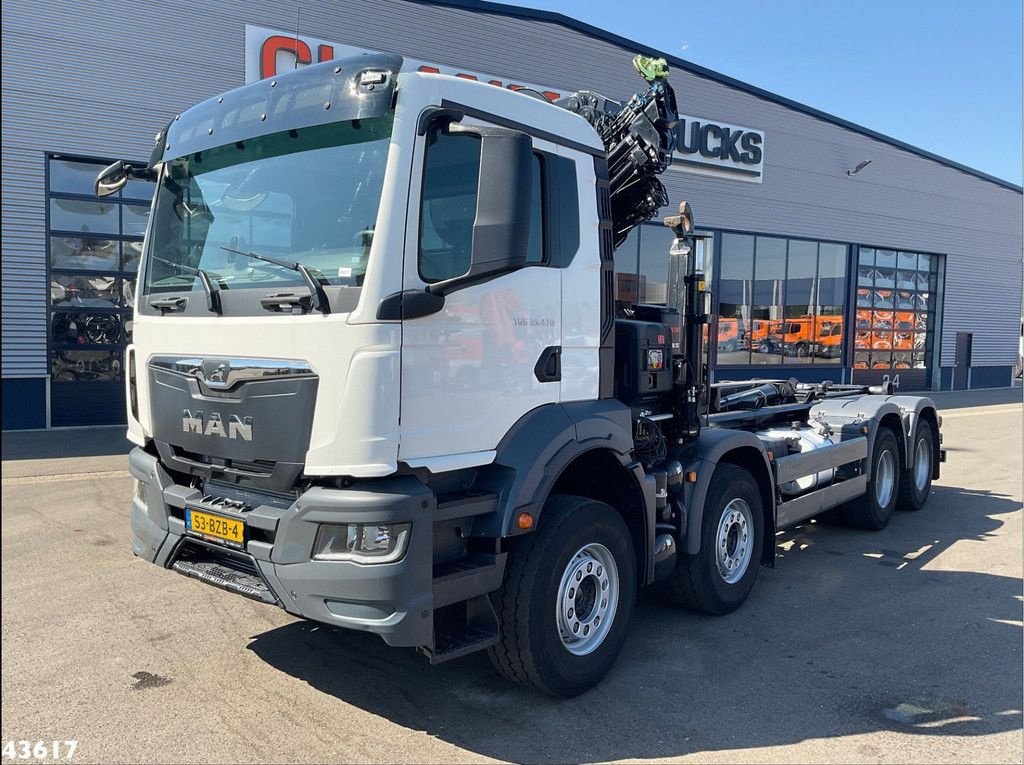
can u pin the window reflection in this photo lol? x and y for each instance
(735, 328)
(84, 253)
(655, 242)
(85, 217)
(783, 301)
(131, 255)
(85, 366)
(92, 243)
(84, 291)
(74, 328)
(70, 177)
(135, 219)
(893, 325)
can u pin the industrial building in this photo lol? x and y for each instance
(837, 252)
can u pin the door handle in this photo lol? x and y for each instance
(286, 302)
(549, 366)
(169, 304)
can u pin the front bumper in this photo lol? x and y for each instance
(394, 600)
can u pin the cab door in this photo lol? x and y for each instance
(490, 354)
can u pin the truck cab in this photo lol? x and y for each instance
(377, 378)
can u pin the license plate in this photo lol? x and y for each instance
(216, 526)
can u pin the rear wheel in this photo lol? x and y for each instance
(916, 483)
(720, 577)
(568, 594)
(873, 510)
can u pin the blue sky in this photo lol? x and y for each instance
(944, 75)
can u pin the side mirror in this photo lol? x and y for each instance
(112, 178)
(501, 230)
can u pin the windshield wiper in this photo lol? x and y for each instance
(212, 293)
(316, 287)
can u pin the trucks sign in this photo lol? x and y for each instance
(710, 147)
(703, 146)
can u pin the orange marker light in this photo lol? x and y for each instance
(525, 520)
(691, 477)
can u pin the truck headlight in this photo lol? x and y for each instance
(361, 542)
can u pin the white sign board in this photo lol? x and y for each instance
(710, 147)
(703, 146)
(269, 52)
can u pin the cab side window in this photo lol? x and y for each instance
(451, 180)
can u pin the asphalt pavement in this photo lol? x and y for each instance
(896, 646)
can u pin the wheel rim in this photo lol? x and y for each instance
(885, 478)
(734, 542)
(922, 464)
(587, 598)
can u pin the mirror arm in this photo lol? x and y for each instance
(435, 115)
(143, 173)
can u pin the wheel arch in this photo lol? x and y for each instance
(582, 448)
(914, 409)
(929, 415)
(733, 447)
(892, 421)
(601, 475)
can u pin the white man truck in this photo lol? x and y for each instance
(380, 379)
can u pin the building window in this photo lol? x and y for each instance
(895, 311)
(780, 301)
(94, 249)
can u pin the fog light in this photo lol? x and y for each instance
(140, 492)
(361, 542)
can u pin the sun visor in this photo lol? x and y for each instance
(345, 89)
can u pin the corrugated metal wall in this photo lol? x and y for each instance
(101, 80)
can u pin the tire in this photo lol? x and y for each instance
(703, 582)
(916, 482)
(873, 510)
(532, 649)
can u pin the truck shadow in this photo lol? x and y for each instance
(851, 633)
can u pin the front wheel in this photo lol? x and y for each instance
(564, 607)
(720, 577)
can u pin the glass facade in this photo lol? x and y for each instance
(896, 306)
(781, 301)
(786, 302)
(94, 249)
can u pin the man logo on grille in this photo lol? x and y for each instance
(237, 427)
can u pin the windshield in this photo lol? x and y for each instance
(307, 196)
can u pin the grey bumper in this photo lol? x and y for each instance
(394, 600)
